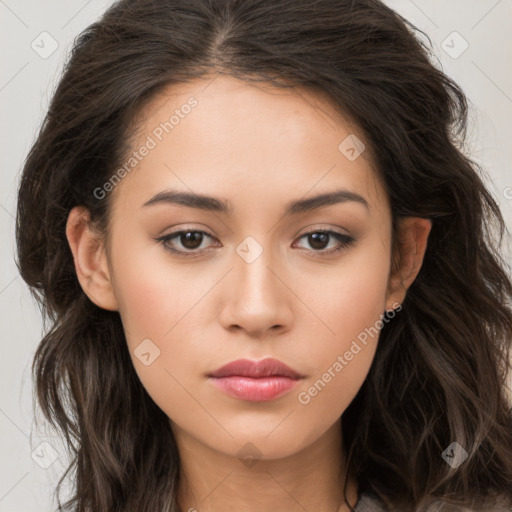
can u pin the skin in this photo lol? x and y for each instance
(258, 148)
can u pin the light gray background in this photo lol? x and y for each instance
(26, 83)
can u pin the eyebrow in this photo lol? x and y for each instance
(213, 204)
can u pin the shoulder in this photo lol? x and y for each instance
(368, 502)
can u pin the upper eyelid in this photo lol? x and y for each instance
(310, 230)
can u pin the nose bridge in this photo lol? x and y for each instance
(257, 299)
(252, 269)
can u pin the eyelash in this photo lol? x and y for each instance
(344, 240)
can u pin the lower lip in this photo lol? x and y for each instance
(255, 389)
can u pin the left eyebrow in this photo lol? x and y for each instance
(213, 204)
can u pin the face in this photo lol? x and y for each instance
(248, 275)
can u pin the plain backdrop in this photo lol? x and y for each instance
(471, 39)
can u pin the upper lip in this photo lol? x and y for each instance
(267, 367)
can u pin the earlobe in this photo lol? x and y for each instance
(408, 256)
(90, 259)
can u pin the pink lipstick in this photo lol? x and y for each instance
(255, 381)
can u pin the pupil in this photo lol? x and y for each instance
(314, 240)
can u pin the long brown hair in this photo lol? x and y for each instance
(440, 370)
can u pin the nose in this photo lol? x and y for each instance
(256, 297)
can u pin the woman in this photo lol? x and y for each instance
(273, 277)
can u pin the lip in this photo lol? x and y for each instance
(256, 381)
(268, 367)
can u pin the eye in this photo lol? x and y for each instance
(319, 240)
(189, 241)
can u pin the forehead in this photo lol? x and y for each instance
(226, 137)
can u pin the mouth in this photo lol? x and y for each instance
(255, 381)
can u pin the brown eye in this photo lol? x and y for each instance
(319, 240)
(184, 241)
(190, 239)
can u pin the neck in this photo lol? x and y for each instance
(312, 479)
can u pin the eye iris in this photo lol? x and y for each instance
(189, 239)
(318, 240)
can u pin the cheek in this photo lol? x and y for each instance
(160, 303)
(340, 362)
(153, 310)
(153, 296)
(350, 297)
(350, 306)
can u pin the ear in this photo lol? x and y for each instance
(90, 259)
(407, 257)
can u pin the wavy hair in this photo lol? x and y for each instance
(440, 370)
